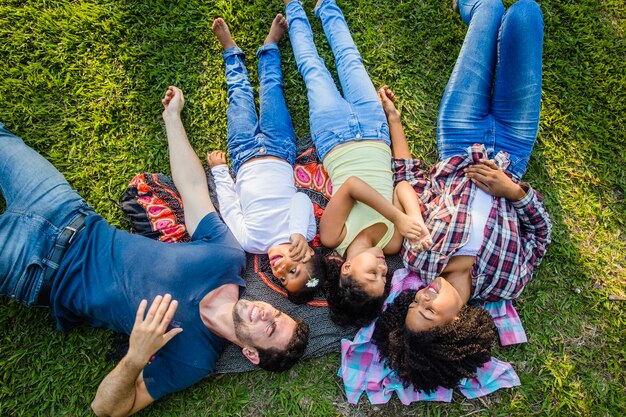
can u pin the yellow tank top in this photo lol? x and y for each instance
(371, 162)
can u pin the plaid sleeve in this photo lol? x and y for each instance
(408, 170)
(536, 227)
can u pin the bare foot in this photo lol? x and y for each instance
(455, 6)
(277, 30)
(318, 4)
(220, 28)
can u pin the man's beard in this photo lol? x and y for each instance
(240, 328)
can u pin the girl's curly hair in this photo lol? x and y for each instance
(348, 304)
(440, 356)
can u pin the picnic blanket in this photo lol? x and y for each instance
(155, 209)
(364, 371)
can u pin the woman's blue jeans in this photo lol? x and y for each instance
(493, 96)
(250, 136)
(334, 119)
(40, 204)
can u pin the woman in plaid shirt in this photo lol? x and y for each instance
(489, 229)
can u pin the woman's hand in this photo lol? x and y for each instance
(490, 178)
(387, 98)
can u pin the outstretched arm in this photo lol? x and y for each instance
(399, 145)
(123, 391)
(187, 171)
(333, 222)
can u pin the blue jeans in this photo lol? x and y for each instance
(334, 119)
(493, 96)
(40, 203)
(249, 137)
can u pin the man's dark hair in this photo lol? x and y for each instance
(440, 356)
(277, 360)
(349, 304)
(319, 271)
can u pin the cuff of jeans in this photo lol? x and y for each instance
(316, 9)
(233, 50)
(292, 4)
(267, 47)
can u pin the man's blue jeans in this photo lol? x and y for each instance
(493, 96)
(272, 133)
(40, 204)
(334, 119)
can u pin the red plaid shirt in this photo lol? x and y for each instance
(516, 234)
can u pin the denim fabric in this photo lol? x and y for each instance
(493, 96)
(248, 136)
(40, 203)
(335, 119)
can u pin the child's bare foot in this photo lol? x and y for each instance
(216, 158)
(455, 6)
(220, 28)
(318, 4)
(277, 30)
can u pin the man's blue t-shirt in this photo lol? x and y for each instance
(106, 272)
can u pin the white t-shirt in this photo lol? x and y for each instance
(479, 213)
(263, 208)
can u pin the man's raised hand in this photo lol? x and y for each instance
(149, 332)
(173, 102)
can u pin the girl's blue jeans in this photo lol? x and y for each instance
(335, 119)
(493, 96)
(250, 136)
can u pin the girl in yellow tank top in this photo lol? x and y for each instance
(366, 217)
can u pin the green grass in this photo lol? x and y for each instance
(81, 81)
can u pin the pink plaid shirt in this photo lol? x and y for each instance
(516, 234)
(364, 371)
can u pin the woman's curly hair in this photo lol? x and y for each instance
(440, 356)
(348, 303)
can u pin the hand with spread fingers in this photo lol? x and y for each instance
(149, 333)
(299, 247)
(490, 178)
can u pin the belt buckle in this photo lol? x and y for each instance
(73, 230)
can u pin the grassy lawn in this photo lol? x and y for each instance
(82, 80)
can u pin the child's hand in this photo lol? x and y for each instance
(387, 99)
(424, 241)
(216, 158)
(299, 248)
